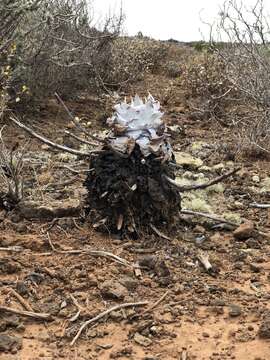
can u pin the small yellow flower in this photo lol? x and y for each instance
(24, 88)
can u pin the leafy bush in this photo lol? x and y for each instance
(58, 48)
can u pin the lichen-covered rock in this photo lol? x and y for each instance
(187, 160)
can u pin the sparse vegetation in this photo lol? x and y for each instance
(152, 202)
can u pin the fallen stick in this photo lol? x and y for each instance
(208, 216)
(49, 142)
(96, 253)
(104, 313)
(203, 185)
(156, 303)
(12, 249)
(42, 316)
(260, 206)
(83, 141)
(159, 233)
(21, 300)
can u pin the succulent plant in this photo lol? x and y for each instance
(139, 123)
(127, 186)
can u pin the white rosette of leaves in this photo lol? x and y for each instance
(139, 122)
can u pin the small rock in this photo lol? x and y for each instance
(8, 266)
(92, 280)
(188, 161)
(244, 231)
(238, 205)
(9, 321)
(205, 334)
(116, 315)
(20, 228)
(179, 289)
(58, 209)
(129, 283)
(199, 229)
(22, 288)
(112, 289)
(218, 167)
(264, 329)
(235, 310)
(255, 268)
(10, 343)
(148, 261)
(142, 340)
(253, 244)
(161, 269)
(256, 179)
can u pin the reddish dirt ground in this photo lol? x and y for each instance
(224, 314)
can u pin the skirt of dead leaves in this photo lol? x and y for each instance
(129, 194)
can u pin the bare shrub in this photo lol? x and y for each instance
(206, 85)
(246, 59)
(11, 174)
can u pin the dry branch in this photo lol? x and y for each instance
(260, 206)
(201, 186)
(208, 216)
(83, 141)
(41, 316)
(20, 299)
(104, 313)
(156, 303)
(47, 141)
(97, 253)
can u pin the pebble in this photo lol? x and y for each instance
(235, 310)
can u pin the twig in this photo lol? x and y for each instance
(83, 141)
(155, 304)
(74, 171)
(159, 233)
(208, 216)
(104, 313)
(78, 306)
(97, 253)
(260, 206)
(42, 316)
(75, 302)
(49, 142)
(20, 299)
(200, 186)
(12, 249)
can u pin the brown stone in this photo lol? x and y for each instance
(112, 289)
(244, 231)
